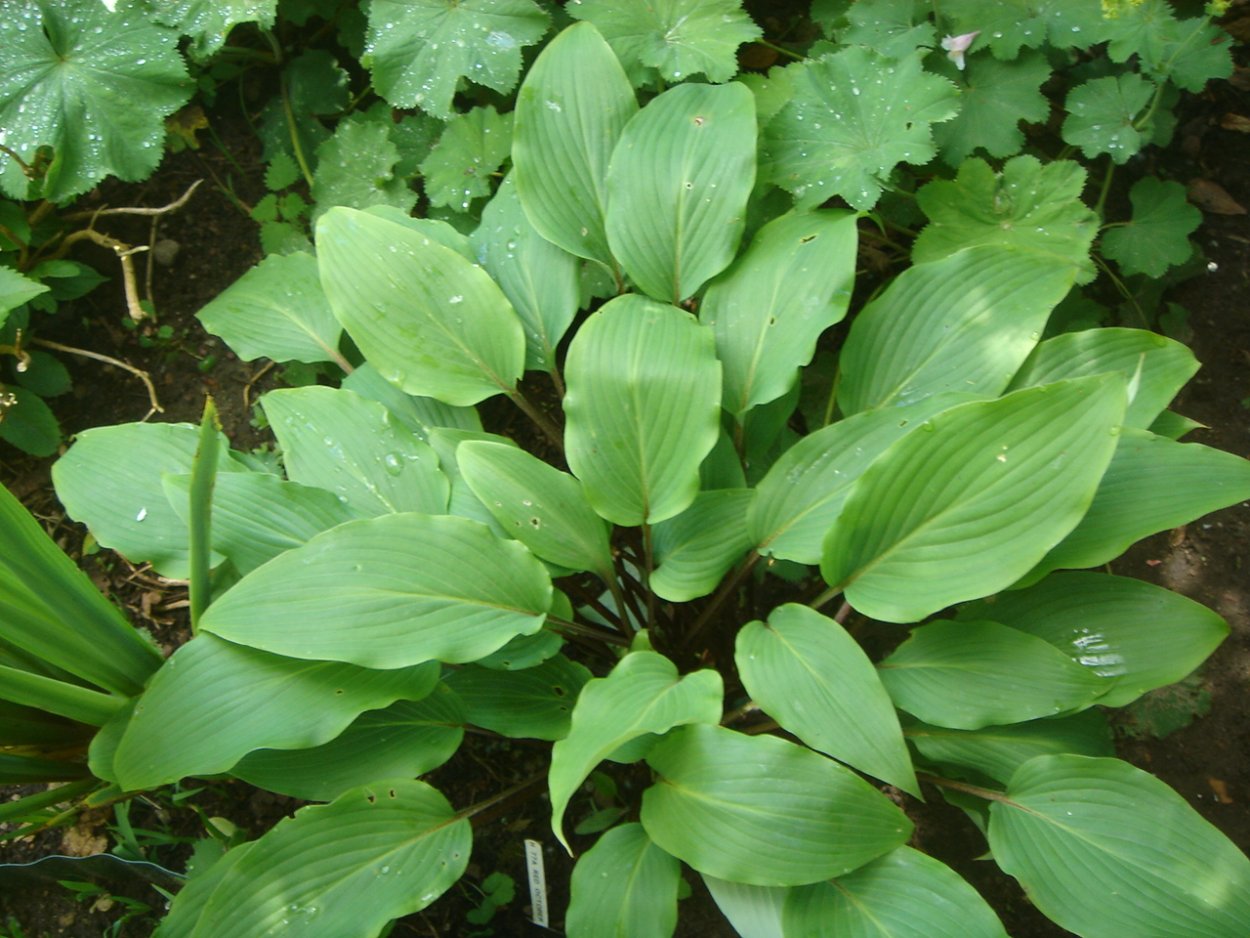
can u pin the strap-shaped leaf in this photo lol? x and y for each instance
(963, 323)
(389, 592)
(624, 885)
(1070, 825)
(904, 892)
(397, 842)
(642, 695)
(806, 672)
(678, 185)
(771, 306)
(531, 703)
(428, 318)
(760, 810)
(406, 739)
(214, 701)
(1139, 635)
(695, 549)
(338, 441)
(967, 675)
(968, 503)
(543, 508)
(570, 112)
(643, 408)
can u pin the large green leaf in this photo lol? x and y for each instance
(995, 98)
(624, 886)
(428, 318)
(341, 442)
(95, 86)
(49, 609)
(539, 278)
(208, 22)
(110, 480)
(770, 307)
(417, 51)
(542, 507)
(901, 893)
(214, 701)
(533, 703)
(643, 695)
(854, 116)
(969, 502)
(754, 911)
(1157, 237)
(418, 414)
(1007, 25)
(695, 549)
(965, 322)
(570, 112)
(406, 739)
(1140, 635)
(357, 167)
(642, 406)
(375, 853)
(470, 150)
(806, 672)
(971, 674)
(1107, 850)
(1155, 366)
(1104, 116)
(678, 184)
(760, 810)
(1153, 484)
(389, 592)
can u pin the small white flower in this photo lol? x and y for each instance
(956, 46)
(110, 5)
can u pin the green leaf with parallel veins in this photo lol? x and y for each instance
(427, 317)
(341, 442)
(406, 739)
(854, 116)
(417, 52)
(807, 673)
(997, 751)
(754, 911)
(995, 97)
(276, 310)
(904, 892)
(971, 674)
(676, 38)
(1003, 482)
(389, 592)
(356, 168)
(1103, 113)
(643, 408)
(760, 810)
(421, 415)
(1032, 206)
(1157, 237)
(678, 184)
(397, 842)
(570, 112)
(208, 22)
(1137, 634)
(964, 323)
(624, 885)
(1007, 25)
(532, 703)
(643, 695)
(472, 147)
(1155, 366)
(770, 307)
(71, 74)
(696, 548)
(539, 278)
(1069, 825)
(214, 701)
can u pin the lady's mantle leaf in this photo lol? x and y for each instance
(678, 38)
(70, 75)
(1102, 116)
(208, 22)
(417, 51)
(1158, 236)
(997, 96)
(1006, 25)
(472, 146)
(356, 167)
(843, 132)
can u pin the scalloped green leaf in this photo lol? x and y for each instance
(893, 28)
(763, 811)
(530, 703)
(994, 98)
(16, 289)
(472, 147)
(624, 885)
(1187, 52)
(678, 184)
(1104, 114)
(356, 168)
(1008, 25)
(855, 115)
(1069, 825)
(675, 39)
(208, 22)
(1157, 236)
(71, 74)
(417, 52)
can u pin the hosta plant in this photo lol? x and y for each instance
(775, 575)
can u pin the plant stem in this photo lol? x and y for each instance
(1106, 188)
(781, 50)
(727, 588)
(475, 811)
(740, 713)
(987, 793)
(590, 631)
(541, 420)
(831, 593)
(648, 565)
(143, 376)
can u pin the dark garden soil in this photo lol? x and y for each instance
(1206, 758)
